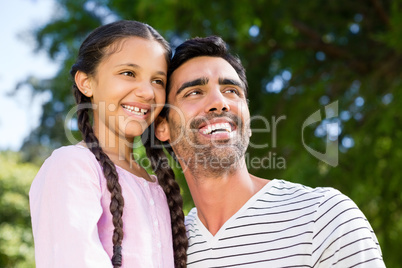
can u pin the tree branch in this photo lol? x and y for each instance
(317, 44)
(381, 12)
(304, 29)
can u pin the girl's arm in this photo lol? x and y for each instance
(65, 201)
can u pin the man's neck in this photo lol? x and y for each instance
(218, 198)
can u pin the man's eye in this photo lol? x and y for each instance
(232, 90)
(128, 73)
(159, 82)
(192, 93)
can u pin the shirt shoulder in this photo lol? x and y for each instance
(285, 191)
(70, 154)
(71, 159)
(331, 205)
(342, 235)
(68, 166)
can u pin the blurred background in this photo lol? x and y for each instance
(300, 57)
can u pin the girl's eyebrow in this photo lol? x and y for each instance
(130, 64)
(135, 66)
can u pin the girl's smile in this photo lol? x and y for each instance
(132, 80)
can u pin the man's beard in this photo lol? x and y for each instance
(210, 159)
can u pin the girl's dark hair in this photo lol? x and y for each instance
(92, 51)
(164, 172)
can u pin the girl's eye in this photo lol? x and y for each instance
(128, 73)
(159, 82)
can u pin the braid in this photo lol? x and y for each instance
(93, 50)
(109, 170)
(166, 178)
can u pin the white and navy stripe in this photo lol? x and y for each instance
(287, 225)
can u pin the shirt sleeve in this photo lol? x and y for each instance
(343, 236)
(65, 202)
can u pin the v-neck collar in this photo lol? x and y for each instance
(212, 239)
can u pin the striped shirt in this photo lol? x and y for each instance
(287, 225)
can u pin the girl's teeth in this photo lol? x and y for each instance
(135, 110)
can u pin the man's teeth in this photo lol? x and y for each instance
(135, 110)
(217, 128)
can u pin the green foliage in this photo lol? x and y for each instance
(141, 158)
(16, 241)
(318, 53)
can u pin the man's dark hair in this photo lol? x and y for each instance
(212, 46)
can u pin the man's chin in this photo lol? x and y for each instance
(224, 154)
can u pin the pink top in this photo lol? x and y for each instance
(72, 224)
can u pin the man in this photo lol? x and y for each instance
(241, 220)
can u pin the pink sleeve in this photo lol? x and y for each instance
(65, 202)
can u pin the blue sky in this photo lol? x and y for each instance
(20, 113)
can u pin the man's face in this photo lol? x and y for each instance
(208, 119)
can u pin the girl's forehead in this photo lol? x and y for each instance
(136, 50)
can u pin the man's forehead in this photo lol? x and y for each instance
(205, 67)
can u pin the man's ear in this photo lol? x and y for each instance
(83, 82)
(162, 129)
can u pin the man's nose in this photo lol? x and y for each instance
(217, 102)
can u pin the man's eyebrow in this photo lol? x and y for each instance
(228, 81)
(197, 82)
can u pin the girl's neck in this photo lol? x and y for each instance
(121, 153)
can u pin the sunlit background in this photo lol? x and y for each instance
(300, 59)
(20, 110)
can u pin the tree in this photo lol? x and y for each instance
(300, 57)
(16, 241)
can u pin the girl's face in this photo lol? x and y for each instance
(128, 88)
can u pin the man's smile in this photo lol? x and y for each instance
(216, 126)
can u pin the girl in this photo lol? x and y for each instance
(91, 204)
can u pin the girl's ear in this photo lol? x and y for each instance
(162, 129)
(83, 82)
